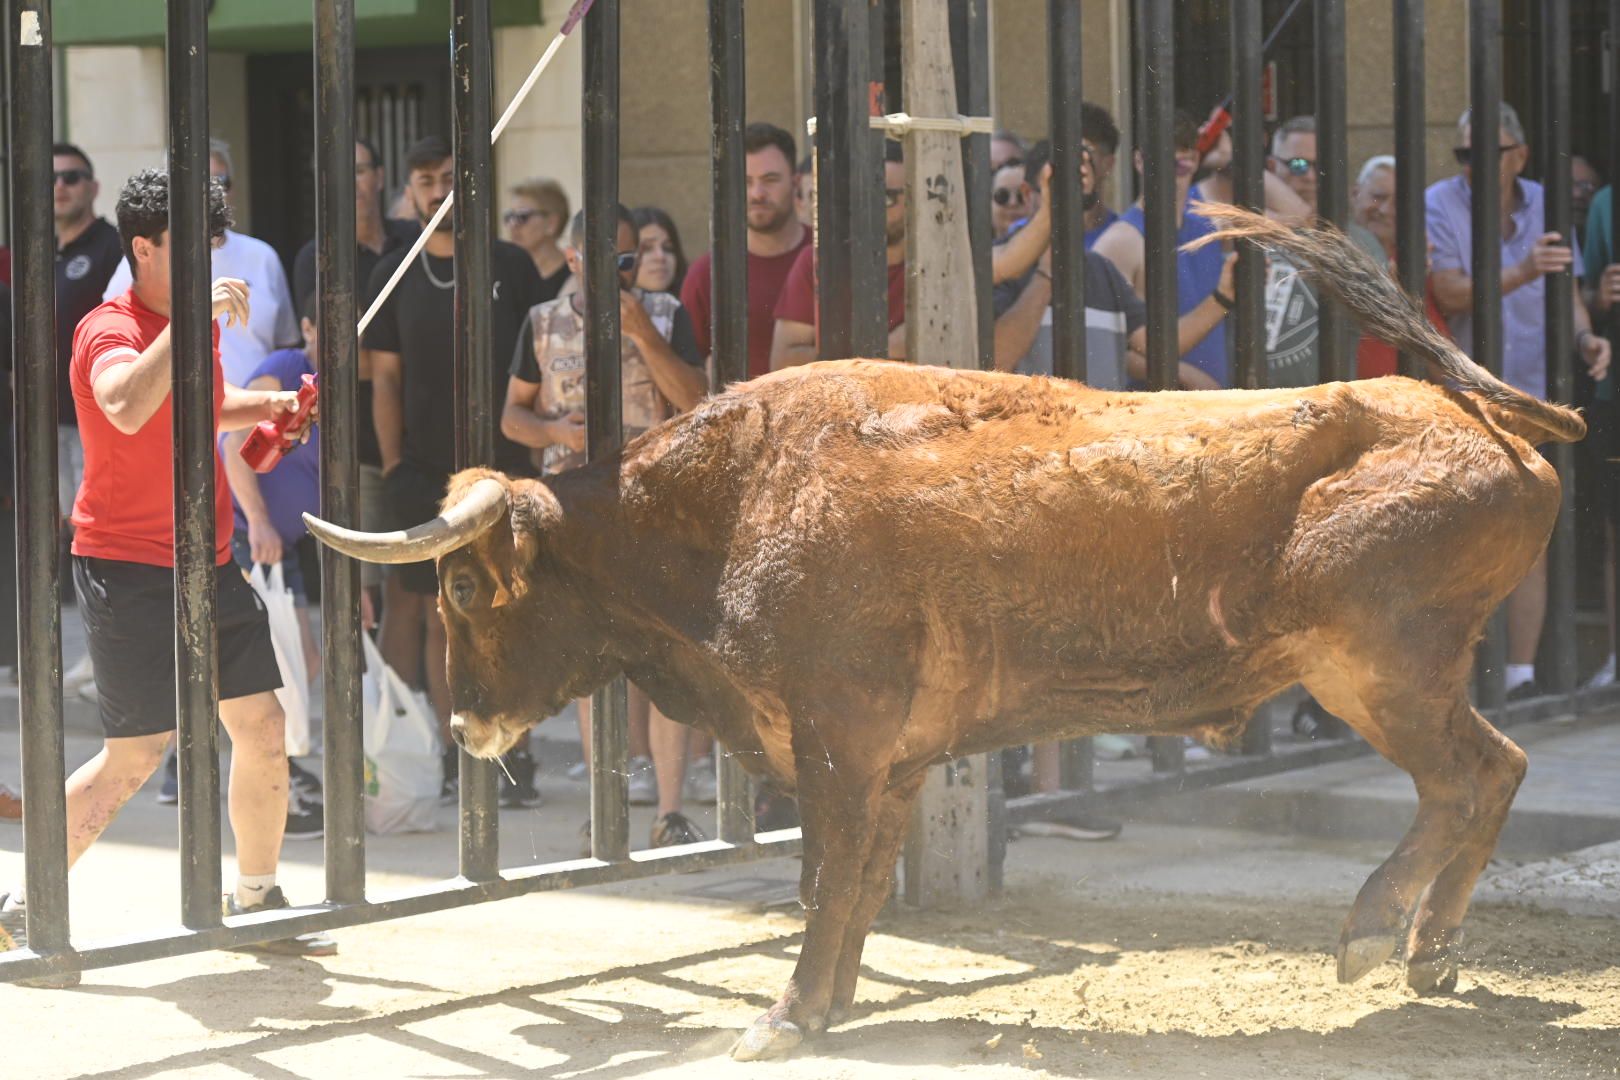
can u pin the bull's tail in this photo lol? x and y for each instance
(1342, 270)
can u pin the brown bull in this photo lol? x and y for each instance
(851, 571)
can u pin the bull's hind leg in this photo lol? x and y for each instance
(1435, 738)
(1431, 951)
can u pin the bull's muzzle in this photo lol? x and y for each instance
(483, 505)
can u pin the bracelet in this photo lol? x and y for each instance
(1224, 301)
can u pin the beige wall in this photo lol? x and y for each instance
(544, 137)
(1018, 42)
(1370, 59)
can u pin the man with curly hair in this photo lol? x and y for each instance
(123, 565)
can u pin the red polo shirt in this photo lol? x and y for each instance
(798, 300)
(125, 507)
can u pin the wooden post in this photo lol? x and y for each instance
(947, 856)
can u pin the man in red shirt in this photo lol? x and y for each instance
(775, 238)
(123, 560)
(795, 337)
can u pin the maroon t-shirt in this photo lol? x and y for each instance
(766, 275)
(798, 300)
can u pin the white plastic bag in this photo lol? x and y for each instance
(285, 635)
(403, 769)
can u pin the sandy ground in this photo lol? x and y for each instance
(1173, 952)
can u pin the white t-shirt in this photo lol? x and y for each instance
(272, 320)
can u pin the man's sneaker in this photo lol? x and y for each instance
(169, 793)
(517, 780)
(1073, 827)
(1603, 676)
(14, 935)
(80, 674)
(306, 817)
(316, 944)
(303, 781)
(702, 783)
(10, 806)
(643, 781)
(579, 771)
(450, 787)
(1525, 691)
(676, 828)
(1113, 747)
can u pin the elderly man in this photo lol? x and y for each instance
(1529, 254)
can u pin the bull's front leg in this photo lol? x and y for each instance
(838, 796)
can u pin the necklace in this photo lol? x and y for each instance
(428, 270)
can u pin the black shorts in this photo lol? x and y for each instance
(128, 612)
(411, 495)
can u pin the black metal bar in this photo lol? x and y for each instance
(728, 105)
(1077, 764)
(1066, 94)
(1411, 243)
(1411, 173)
(39, 582)
(335, 274)
(191, 335)
(1336, 357)
(728, 228)
(1156, 63)
(474, 216)
(1485, 81)
(1248, 179)
(970, 56)
(610, 782)
(436, 896)
(851, 292)
(1556, 98)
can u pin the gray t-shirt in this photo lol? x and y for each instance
(1113, 312)
(1292, 315)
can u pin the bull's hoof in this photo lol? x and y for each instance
(766, 1039)
(837, 1014)
(1432, 969)
(1361, 955)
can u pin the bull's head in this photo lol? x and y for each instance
(523, 641)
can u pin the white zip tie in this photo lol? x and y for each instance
(899, 123)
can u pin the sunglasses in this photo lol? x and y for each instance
(1465, 156)
(72, 177)
(1299, 166)
(519, 216)
(627, 261)
(1006, 197)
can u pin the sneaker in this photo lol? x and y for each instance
(517, 780)
(579, 771)
(1525, 691)
(1603, 676)
(1193, 750)
(14, 935)
(306, 817)
(169, 793)
(773, 811)
(316, 944)
(450, 787)
(676, 828)
(1074, 827)
(303, 781)
(1113, 747)
(643, 782)
(80, 674)
(10, 806)
(702, 781)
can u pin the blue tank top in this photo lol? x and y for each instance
(1197, 274)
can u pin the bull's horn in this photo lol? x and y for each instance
(477, 510)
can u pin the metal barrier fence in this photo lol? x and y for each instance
(851, 292)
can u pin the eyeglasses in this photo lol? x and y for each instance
(519, 216)
(1005, 196)
(1299, 166)
(627, 261)
(72, 177)
(1465, 156)
(224, 182)
(892, 196)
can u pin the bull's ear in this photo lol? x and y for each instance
(498, 551)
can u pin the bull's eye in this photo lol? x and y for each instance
(462, 590)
